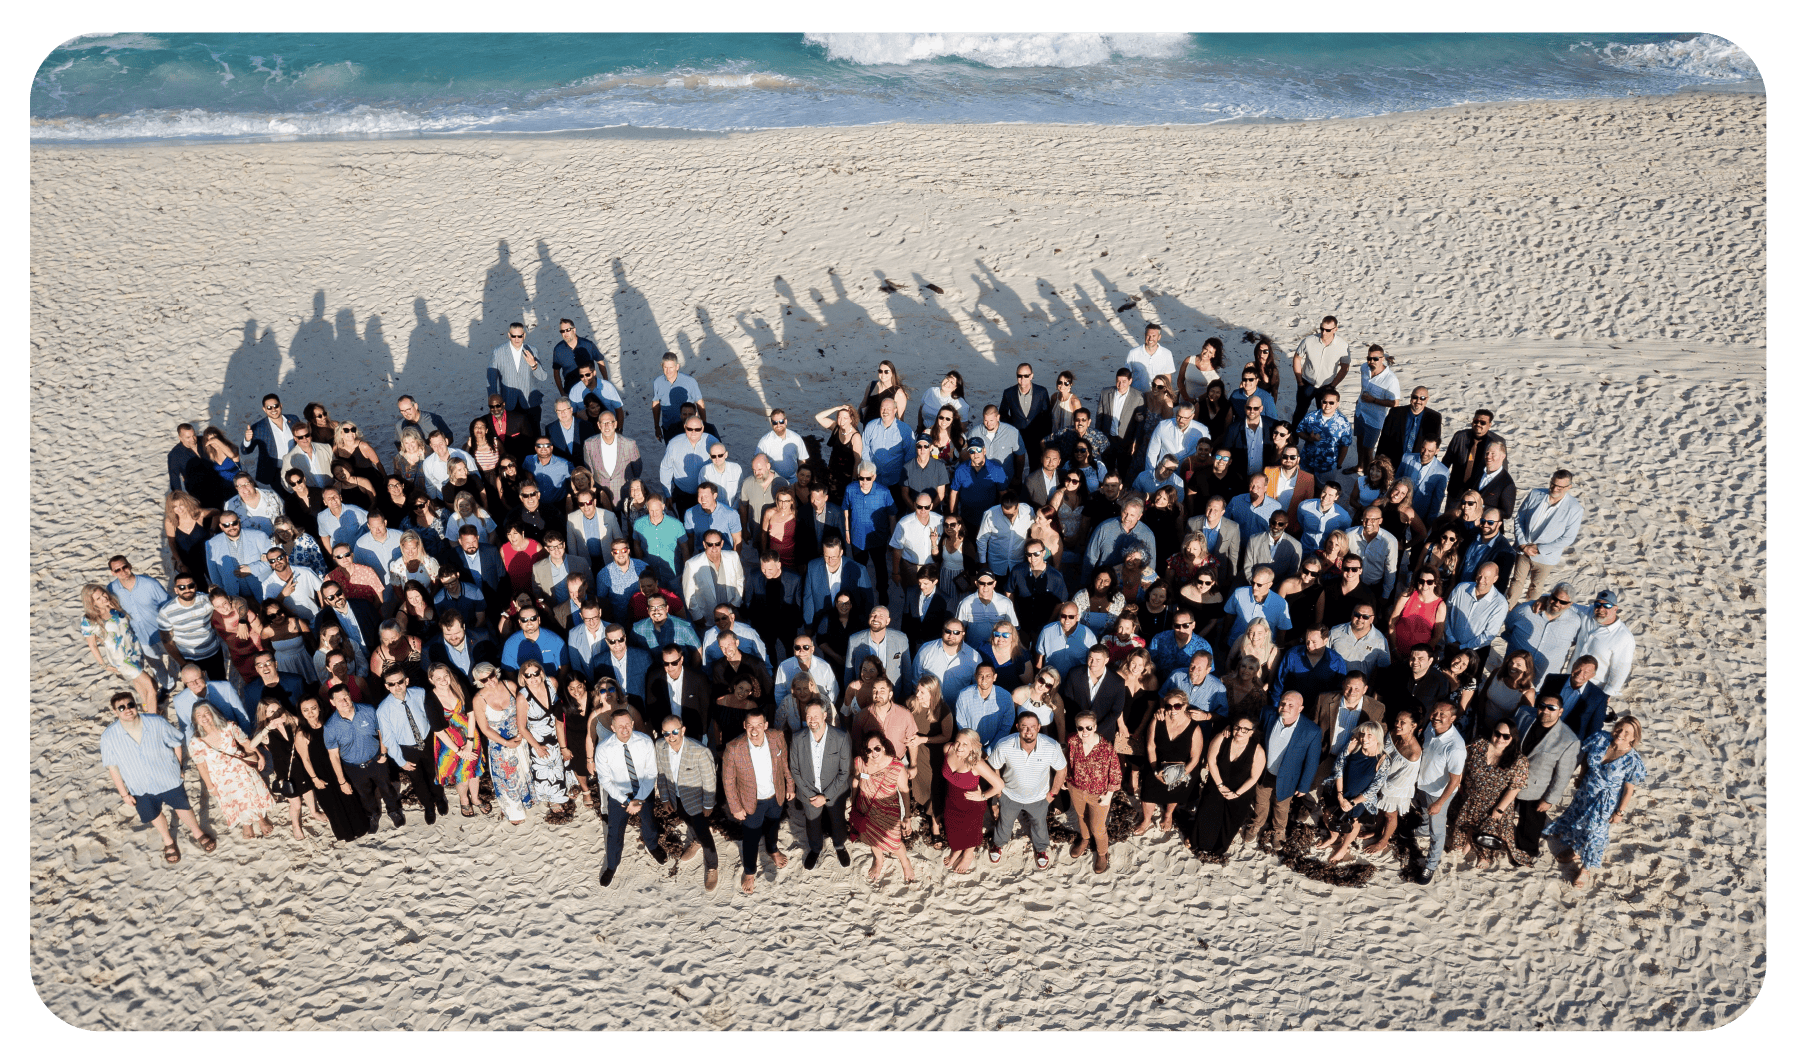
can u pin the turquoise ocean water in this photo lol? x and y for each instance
(150, 86)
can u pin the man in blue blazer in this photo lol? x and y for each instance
(819, 575)
(1294, 744)
(1586, 703)
(270, 437)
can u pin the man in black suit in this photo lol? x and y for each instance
(1586, 703)
(774, 596)
(1405, 431)
(361, 622)
(1026, 407)
(481, 566)
(190, 471)
(1215, 475)
(513, 431)
(926, 607)
(678, 689)
(1094, 688)
(458, 647)
(1466, 453)
(270, 437)
(1493, 483)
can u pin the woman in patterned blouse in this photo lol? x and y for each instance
(1094, 775)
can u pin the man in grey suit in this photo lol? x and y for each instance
(820, 761)
(1553, 752)
(686, 778)
(1116, 409)
(1222, 536)
(880, 640)
(515, 374)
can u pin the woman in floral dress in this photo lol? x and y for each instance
(1495, 771)
(231, 772)
(496, 716)
(1612, 769)
(878, 807)
(107, 629)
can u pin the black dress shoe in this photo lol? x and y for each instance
(842, 857)
(374, 823)
(605, 877)
(810, 859)
(660, 855)
(399, 820)
(1426, 876)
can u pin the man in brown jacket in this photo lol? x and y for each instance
(1337, 717)
(757, 783)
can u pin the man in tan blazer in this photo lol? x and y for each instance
(1287, 474)
(686, 779)
(544, 576)
(757, 783)
(1338, 715)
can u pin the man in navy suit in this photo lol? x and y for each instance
(832, 573)
(481, 565)
(1405, 430)
(927, 607)
(1026, 407)
(270, 437)
(1294, 746)
(459, 647)
(1586, 703)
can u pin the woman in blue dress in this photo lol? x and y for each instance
(1612, 769)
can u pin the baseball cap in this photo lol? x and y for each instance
(1605, 598)
(976, 445)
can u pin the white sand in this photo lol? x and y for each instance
(1594, 271)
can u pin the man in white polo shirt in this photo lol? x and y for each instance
(1033, 767)
(1437, 778)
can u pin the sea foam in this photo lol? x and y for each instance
(1705, 56)
(999, 49)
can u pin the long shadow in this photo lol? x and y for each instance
(640, 339)
(503, 300)
(1185, 328)
(556, 298)
(311, 355)
(439, 371)
(254, 368)
(720, 371)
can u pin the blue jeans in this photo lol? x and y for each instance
(761, 828)
(617, 819)
(1437, 827)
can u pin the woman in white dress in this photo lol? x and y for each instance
(550, 778)
(1403, 759)
(1198, 370)
(951, 392)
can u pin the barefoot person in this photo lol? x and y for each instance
(1613, 768)
(879, 803)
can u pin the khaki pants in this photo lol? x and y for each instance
(1263, 799)
(1530, 579)
(1091, 817)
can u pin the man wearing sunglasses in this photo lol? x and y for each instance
(515, 375)
(1026, 407)
(686, 779)
(671, 389)
(1488, 545)
(784, 449)
(1606, 639)
(270, 437)
(572, 353)
(1546, 628)
(143, 753)
(234, 558)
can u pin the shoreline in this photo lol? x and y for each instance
(1751, 87)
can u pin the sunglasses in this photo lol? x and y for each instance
(1562, 602)
(670, 734)
(1085, 728)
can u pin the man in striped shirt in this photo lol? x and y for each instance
(187, 635)
(1033, 767)
(142, 754)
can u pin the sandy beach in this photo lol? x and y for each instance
(1593, 271)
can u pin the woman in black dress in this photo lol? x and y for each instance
(1174, 749)
(573, 718)
(277, 729)
(1214, 411)
(344, 811)
(845, 447)
(887, 384)
(1139, 702)
(1236, 760)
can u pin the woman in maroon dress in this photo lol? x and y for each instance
(964, 803)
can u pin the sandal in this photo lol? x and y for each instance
(172, 854)
(467, 812)
(486, 806)
(207, 843)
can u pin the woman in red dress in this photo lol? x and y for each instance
(964, 801)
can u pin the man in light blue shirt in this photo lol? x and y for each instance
(234, 558)
(1546, 628)
(1255, 602)
(707, 515)
(1163, 475)
(1203, 691)
(406, 735)
(196, 688)
(1476, 612)
(1062, 646)
(142, 754)
(949, 659)
(140, 597)
(888, 443)
(984, 707)
(1320, 516)
(1252, 511)
(1546, 524)
(683, 462)
(550, 471)
(1430, 476)
(1177, 438)
(339, 522)
(671, 389)
(379, 545)
(1172, 650)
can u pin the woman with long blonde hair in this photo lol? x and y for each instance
(107, 628)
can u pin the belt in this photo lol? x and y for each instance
(360, 764)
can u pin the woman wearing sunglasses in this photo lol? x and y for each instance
(1496, 769)
(1094, 775)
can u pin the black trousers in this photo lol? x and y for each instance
(368, 780)
(424, 781)
(876, 554)
(1528, 826)
(836, 813)
(215, 665)
(698, 829)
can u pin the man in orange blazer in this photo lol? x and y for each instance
(757, 784)
(1286, 476)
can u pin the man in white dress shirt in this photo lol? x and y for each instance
(784, 450)
(625, 767)
(1379, 390)
(985, 608)
(1149, 360)
(436, 463)
(713, 577)
(1178, 437)
(804, 659)
(1606, 638)
(1378, 550)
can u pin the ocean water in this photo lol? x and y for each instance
(152, 86)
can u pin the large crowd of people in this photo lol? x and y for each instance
(931, 624)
